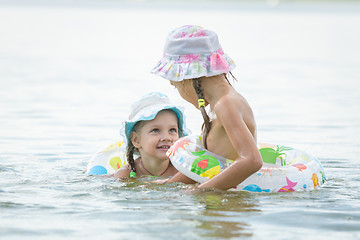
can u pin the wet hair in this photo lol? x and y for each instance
(131, 149)
(200, 94)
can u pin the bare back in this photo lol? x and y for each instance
(231, 108)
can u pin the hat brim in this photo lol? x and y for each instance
(172, 69)
(149, 114)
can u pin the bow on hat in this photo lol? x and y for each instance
(218, 63)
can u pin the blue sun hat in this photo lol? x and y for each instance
(147, 108)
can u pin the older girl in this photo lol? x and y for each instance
(196, 65)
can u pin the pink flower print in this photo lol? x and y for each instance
(199, 33)
(220, 51)
(180, 35)
(189, 58)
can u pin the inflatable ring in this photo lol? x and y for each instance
(107, 161)
(284, 169)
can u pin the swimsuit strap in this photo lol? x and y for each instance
(142, 164)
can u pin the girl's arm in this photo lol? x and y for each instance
(179, 177)
(249, 160)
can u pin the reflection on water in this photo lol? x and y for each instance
(224, 214)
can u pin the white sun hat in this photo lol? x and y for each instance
(191, 52)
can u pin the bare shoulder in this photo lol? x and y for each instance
(230, 103)
(235, 113)
(123, 172)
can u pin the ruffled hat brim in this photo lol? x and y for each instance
(178, 68)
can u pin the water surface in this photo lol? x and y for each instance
(69, 72)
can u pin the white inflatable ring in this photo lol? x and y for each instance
(108, 160)
(284, 169)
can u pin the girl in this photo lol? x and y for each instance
(196, 65)
(153, 125)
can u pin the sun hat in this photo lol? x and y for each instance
(146, 108)
(190, 52)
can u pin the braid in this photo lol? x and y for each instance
(130, 157)
(200, 93)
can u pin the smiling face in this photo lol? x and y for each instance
(153, 138)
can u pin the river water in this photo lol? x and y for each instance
(69, 71)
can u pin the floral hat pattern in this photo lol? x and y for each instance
(191, 52)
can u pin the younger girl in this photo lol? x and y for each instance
(153, 125)
(196, 65)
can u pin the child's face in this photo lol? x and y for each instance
(155, 137)
(186, 91)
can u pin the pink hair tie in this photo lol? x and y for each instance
(218, 63)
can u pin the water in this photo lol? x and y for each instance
(70, 70)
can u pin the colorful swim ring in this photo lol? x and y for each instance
(284, 169)
(107, 161)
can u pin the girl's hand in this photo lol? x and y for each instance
(160, 181)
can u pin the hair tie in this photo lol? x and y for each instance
(201, 102)
(133, 174)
